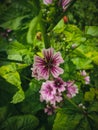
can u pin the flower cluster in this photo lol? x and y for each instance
(52, 91)
(85, 77)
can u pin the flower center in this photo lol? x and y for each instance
(57, 84)
(49, 63)
(49, 90)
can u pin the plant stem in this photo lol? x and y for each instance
(9, 60)
(44, 33)
(69, 100)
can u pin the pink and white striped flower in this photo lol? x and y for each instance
(65, 4)
(56, 99)
(71, 88)
(49, 64)
(35, 73)
(87, 80)
(47, 2)
(85, 76)
(47, 91)
(59, 84)
(49, 109)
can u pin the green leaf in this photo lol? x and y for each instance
(13, 78)
(93, 107)
(16, 50)
(60, 26)
(20, 52)
(13, 23)
(18, 97)
(7, 91)
(3, 113)
(89, 96)
(92, 30)
(32, 29)
(95, 60)
(66, 122)
(32, 102)
(84, 124)
(10, 74)
(93, 119)
(21, 122)
(36, 6)
(82, 63)
(69, 68)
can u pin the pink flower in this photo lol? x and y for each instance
(47, 91)
(72, 89)
(49, 64)
(47, 2)
(65, 4)
(35, 73)
(59, 84)
(56, 99)
(87, 80)
(83, 73)
(49, 109)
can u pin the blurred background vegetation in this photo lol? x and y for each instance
(82, 13)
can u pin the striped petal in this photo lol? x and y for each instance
(57, 59)
(48, 53)
(56, 71)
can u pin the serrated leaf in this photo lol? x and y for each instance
(13, 78)
(7, 91)
(89, 96)
(21, 122)
(32, 101)
(95, 60)
(15, 51)
(13, 23)
(18, 97)
(66, 122)
(10, 74)
(17, 57)
(82, 63)
(7, 68)
(84, 124)
(20, 52)
(60, 26)
(93, 107)
(92, 30)
(93, 119)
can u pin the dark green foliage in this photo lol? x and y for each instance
(23, 122)
(84, 13)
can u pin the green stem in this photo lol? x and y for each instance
(45, 34)
(69, 100)
(8, 60)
